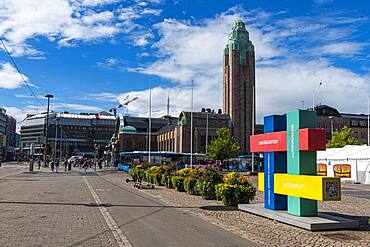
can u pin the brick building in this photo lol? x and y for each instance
(169, 133)
(239, 83)
(332, 120)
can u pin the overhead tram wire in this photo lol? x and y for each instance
(19, 72)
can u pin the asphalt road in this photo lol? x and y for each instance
(69, 209)
(12, 168)
(148, 222)
(360, 192)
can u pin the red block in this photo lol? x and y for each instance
(309, 140)
(312, 139)
(269, 142)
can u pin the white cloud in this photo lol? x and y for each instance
(66, 22)
(98, 2)
(104, 96)
(341, 48)
(282, 88)
(75, 107)
(58, 20)
(284, 76)
(108, 63)
(148, 11)
(94, 17)
(9, 78)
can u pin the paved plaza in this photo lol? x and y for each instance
(70, 209)
(101, 209)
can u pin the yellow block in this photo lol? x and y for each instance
(304, 186)
(261, 179)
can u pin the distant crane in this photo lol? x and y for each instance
(114, 109)
(126, 103)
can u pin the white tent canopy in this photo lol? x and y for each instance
(351, 163)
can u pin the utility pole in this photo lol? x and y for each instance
(48, 96)
(150, 120)
(56, 136)
(168, 104)
(313, 100)
(61, 141)
(191, 124)
(253, 120)
(368, 121)
(207, 133)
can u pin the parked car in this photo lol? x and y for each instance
(73, 159)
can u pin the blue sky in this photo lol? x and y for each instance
(91, 53)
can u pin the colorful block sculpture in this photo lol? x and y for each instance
(289, 180)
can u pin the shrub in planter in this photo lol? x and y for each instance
(236, 189)
(169, 182)
(190, 183)
(228, 193)
(158, 179)
(211, 178)
(185, 172)
(164, 180)
(174, 181)
(178, 183)
(246, 193)
(209, 190)
(198, 187)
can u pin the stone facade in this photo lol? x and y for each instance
(330, 119)
(239, 84)
(170, 134)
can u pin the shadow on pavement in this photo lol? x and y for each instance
(91, 204)
(219, 208)
(364, 221)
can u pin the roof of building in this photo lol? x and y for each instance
(128, 130)
(325, 110)
(185, 116)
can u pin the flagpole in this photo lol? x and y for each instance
(368, 121)
(253, 120)
(313, 100)
(191, 124)
(150, 119)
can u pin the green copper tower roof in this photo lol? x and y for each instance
(239, 41)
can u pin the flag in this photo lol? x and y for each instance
(97, 117)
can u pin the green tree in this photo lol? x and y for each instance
(342, 138)
(223, 146)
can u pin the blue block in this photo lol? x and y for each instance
(274, 162)
(274, 123)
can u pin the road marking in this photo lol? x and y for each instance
(112, 224)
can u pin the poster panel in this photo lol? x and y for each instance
(342, 170)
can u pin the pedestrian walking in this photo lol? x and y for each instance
(69, 165)
(57, 165)
(65, 165)
(52, 166)
(85, 165)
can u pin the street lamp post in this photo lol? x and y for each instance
(191, 124)
(56, 136)
(61, 142)
(368, 121)
(46, 128)
(331, 126)
(207, 133)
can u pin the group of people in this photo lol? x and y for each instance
(54, 165)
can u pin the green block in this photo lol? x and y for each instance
(302, 207)
(300, 163)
